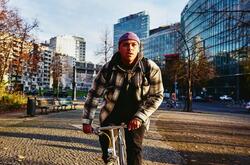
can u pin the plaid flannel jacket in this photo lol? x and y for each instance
(150, 101)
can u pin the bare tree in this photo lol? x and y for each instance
(105, 49)
(192, 68)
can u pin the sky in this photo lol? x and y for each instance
(90, 18)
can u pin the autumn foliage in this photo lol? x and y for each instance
(18, 51)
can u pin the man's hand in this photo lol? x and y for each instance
(87, 128)
(135, 123)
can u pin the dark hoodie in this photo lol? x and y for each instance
(127, 105)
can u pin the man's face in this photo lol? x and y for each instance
(129, 50)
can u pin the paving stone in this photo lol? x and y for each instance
(52, 140)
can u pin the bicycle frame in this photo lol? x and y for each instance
(119, 158)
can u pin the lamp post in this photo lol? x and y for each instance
(176, 87)
(74, 83)
(238, 79)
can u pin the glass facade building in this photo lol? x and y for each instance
(223, 28)
(137, 23)
(161, 41)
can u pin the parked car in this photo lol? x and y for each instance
(63, 94)
(226, 98)
(248, 106)
(32, 92)
(48, 93)
(209, 98)
(198, 99)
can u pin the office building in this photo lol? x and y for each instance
(161, 42)
(222, 27)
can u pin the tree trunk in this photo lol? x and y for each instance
(189, 96)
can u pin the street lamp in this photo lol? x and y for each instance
(74, 83)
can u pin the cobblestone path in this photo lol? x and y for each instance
(53, 140)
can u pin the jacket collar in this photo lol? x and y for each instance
(116, 61)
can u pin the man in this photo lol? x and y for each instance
(132, 89)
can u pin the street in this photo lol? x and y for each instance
(213, 107)
(219, 107)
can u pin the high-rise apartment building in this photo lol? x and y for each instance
(62, 71)
(222, 27)
(21, 67)
(66, 78)
(69, 45)
(161, 42)
(137, 23)
(85, 74)
(40, 77)
(44, 66)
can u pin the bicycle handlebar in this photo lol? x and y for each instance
(98, 130)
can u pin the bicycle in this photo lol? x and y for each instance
(169, 103)
(117, 145)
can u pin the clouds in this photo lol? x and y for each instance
(89, 18)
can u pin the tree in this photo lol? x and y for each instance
(106, 46)
(32, 64)
(9, 23)
(56, 70)
(15, 40)
(26, 47)
(5, 54)
(192, 68)
(202, 69)
(173, 72)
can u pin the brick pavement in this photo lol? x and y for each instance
(52, 140)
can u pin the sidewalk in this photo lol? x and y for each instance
(51, 139)
(207, 138)
(174, 138)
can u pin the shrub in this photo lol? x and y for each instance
(11, 100)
